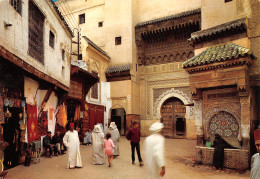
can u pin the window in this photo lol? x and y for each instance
(51, 39)
(36, 25)
(100, 24)
(81, 18)
(63, 54)
(228, 1)
(63, 71)
(80, 57)
(94, 90)
(118, 40)
(17, 4)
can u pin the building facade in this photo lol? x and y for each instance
(35, 49)
(117, 27)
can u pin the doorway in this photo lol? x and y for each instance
(119, 117)
(11, 135)
(173, 117)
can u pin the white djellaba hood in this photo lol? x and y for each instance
(97, 129)
(156, 127)
(112, 125)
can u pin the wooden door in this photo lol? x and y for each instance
(173, 118)
(96, 115)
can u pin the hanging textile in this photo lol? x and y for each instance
(62, 116)
(43, 123)
(32, 124)
(50, 120)
(77, 113)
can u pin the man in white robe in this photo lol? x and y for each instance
(115, 136)
(154, 151)
(255, 161)
(71, 141)
(98, 146)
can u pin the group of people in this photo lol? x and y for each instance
(105, 145)
(53, 144)
(153, 147)
(109, 145)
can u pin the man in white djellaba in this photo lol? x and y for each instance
(71, 141)
(115, 136)
(154, 151)
(98, 146)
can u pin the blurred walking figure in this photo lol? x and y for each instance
(255, 161)
(115, 136)
(98, 146)
(71, 141)
(133, 135)
(109, 145)
(154, 151)
(87, 139)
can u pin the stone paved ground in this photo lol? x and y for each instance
(179, 165)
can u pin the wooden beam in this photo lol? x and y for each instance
(44, 101)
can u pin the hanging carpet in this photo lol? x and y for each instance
(32, 123)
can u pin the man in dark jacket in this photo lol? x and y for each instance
(133, 135)
(57, 142)
(47, 143)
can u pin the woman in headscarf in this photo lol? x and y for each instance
(115, 136)
(98, 146)
(218, 157)
(154, 151)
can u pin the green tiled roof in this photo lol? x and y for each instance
(119, 68)
(218, 53)
(182, 14)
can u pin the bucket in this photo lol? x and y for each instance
(208, 144)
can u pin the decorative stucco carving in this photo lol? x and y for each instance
(168, 94)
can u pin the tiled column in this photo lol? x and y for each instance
(198, 121)
(245, 121)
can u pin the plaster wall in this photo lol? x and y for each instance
(153, 9)
(216, 12)
(35, 96)
(15, 39)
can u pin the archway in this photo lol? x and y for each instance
(173, 114)
(118, 116)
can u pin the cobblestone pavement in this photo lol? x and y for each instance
(179, 165)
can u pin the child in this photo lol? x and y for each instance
(109, 145)
(255, 167)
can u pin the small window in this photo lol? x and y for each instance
(94, 91)
(63, 54)
(118, 40)
(100, 24)
(81, 18)
(80, 57)
(51, 39)
(17, 4)
(228, 1)
(62, 71)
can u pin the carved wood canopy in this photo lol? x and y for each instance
(165, 40)
(220, 66)
(118, 72)
(81, 82)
